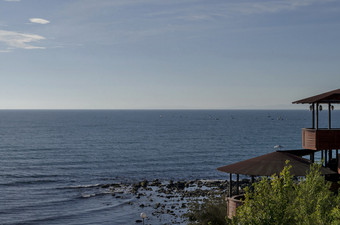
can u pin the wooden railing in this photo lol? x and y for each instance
(320, 139)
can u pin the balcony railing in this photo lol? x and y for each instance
(320, 139)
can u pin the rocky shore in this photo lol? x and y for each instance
(167, 201)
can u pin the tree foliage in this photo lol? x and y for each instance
(276, 200)
(209, 211)
(280, 200)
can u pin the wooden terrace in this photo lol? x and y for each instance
(320, 139)
(314, 139)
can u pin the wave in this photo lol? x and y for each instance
(35, 205)
(69, 215)
(29, 182)
(94, 194)
(17, 176)
(81, 186)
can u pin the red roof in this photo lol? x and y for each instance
(328, 97)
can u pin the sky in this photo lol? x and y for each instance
(167, 54)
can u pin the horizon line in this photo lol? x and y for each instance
(143, 109)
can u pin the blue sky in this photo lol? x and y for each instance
(167, 54)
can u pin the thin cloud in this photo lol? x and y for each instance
(12, 0)
(39, 20)
(19, 40)
(5, 51)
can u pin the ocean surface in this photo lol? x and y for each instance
(53, 161)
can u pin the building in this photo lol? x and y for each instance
(315, 140)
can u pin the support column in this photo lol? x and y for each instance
(329, 116)
(237, 184)
(313, 116)
(312, 157)
(337, 160)
(230, 184)
(317, 116)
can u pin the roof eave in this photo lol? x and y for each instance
(321, 98)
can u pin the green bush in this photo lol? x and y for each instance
(209, 211)
(280, 200)
(275, 200)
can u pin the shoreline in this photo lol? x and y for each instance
(165, 202)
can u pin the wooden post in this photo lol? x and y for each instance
(237, 184)
(317, 116)
(230, 184)
(337, 159)
(313, 116)
(312, 157)
(325, 157)
(252, 179)
(330, 155)
(329, 116)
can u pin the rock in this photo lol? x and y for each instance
(105, 186)
(171, 184)
(139, 195)
(180, 185)
(139, 221)
(142, 205)
(135, 188)
(144, 183)
(157, 205)
(156, 183)
(199, 184)
(161, 190)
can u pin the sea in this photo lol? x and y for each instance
(52, 162)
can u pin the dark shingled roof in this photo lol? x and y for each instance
(272, 163)
(328, 97)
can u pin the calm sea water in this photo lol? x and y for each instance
(51, 162)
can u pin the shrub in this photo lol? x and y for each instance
(209, 211)
(275, 200)
(280, 200)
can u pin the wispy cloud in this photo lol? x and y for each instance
(39, 20)
(256, 7)
(134, 20)
(12, 0)
(19, 40)
(5, 51)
